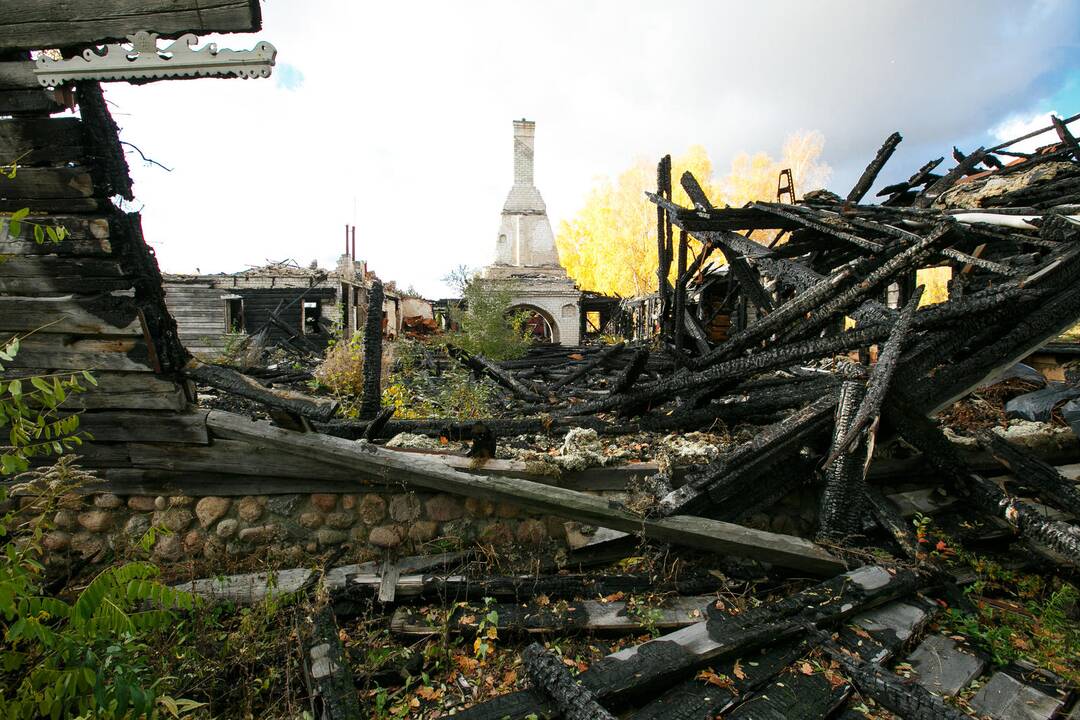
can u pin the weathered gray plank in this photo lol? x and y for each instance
(239, 457)
(52, 285)
(85, 236)
(52, 183)
(71, 352)
(29, 102)
(136, 426)
(713, 535)
(78, 314)
(39, 141)
(41, 24)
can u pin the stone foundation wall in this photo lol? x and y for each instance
(96, 526)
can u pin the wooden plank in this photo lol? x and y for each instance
(71, 352)
(53, 285)
(41, 24)
(85, 236)
(18, 75)
(49, 183)
(29, 102)
(135, 426)
(230, 381)
(639, 671)
(77, 314)
(586, 615)
(703, 533)
(242, 458)
(40, 141)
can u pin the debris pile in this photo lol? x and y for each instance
(831, 366)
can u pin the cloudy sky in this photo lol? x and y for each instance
(396, 116)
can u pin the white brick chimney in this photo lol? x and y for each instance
(525, 253)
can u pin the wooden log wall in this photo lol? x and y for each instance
(93, 301)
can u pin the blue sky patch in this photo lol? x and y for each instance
(288, 76)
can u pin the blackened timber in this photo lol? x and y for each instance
(874, 168)
(680, 294)
(889, 518)
(746, 276)
(701, 700)
(821, 227)
(782, 317)
(103, 140)
(383, 465)
(372, 371)
(233, 382)
(596, 361)
(663, 244)
(1060, 537)
(547, 674)
(1067, 137)
(482, 366)
(880, 378)
(639, 671)
(908, 700)
(740, 367)
(843, 498)
(933, 192)
(327, 670)
(629, 375)
(751, 458)
(375, 427)
(879, 276)
(1032, 472)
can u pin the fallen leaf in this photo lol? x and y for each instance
(737, 671)
(806, 668)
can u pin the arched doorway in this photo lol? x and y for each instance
(538, 323)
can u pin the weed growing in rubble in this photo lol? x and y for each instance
(342, 373)
(414, 392)
(486, 324)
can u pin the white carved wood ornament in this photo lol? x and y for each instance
(141, 59)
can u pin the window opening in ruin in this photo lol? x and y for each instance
(310, 316)
(234, 314)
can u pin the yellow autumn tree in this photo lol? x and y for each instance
(610, 246)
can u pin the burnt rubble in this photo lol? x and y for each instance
(814, 333)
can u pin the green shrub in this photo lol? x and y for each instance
(486, 326)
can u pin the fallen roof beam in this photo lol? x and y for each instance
(396, 467)
(871, 172)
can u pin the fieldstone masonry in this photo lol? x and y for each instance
(88, 527)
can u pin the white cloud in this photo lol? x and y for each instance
(405, 107)
(1020, 125)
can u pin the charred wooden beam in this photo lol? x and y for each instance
(235, 383)
(874, 168)
(908, 700)
(873, 281)
(1032, 472)
(821, 227)
(482, 366)
(889, 518)
(663, 240)
(589, 365)
(844, 497)
(371, 400)
(1062, 538)
(751, 458)
(547, 674)
(326, 669)
(629, 375)
(933, 192)
(680, 294)
(1067, 138)
(639, 671)
(880, 378)
(375, 427)
(747, 277)
(737, 368)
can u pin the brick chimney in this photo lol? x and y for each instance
(524, 141)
